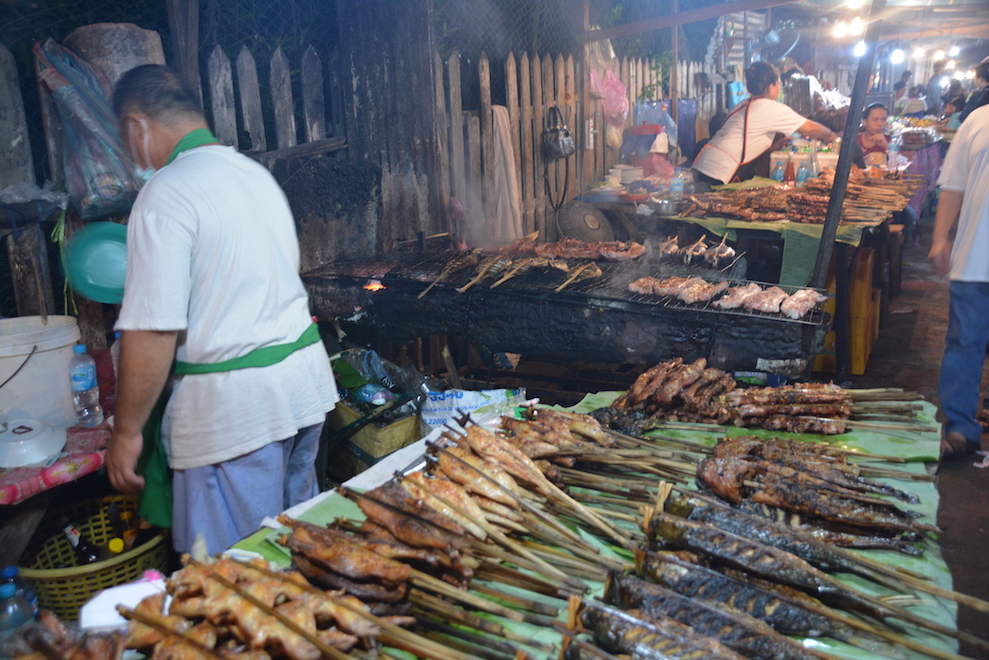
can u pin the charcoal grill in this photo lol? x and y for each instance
(596, 319)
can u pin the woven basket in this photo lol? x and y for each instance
(65, 590)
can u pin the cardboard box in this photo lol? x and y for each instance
(369, 445)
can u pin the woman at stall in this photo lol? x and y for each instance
(873, 138)
(747, 136)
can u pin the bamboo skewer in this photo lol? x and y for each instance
(448, 611)
(424, 581)
(154, 621)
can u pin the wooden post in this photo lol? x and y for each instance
(221, 97)
(487, 139)
(250, 99)
(183, 25)
(280, 79)
(313, 107)
(28, 255)
(527, 146)
(16, 163)
(442, 137)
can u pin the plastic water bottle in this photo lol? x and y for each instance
(85, 390)
(676, 185)
(115, 354)
(15, 612)
(778, 172)
(803, 173)
(893, 155)
(25, 587)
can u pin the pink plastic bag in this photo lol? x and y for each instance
(615, 100)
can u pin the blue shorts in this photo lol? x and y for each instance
(228, 501)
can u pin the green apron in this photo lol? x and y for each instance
(154, 503)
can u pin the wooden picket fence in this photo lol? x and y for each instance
(315, 111)
(533, 84)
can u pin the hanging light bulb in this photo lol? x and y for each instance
(897, 56)
(954, 51)
(950, 65)
(939, 55)
(859, 49)
(856, 26)
(959, 75)
(855, 4)
(918, 53)
(840, 30)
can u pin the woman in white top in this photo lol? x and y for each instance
(749, 131)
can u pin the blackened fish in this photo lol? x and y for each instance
(733, 628)
(622, 632)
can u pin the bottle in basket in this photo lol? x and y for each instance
(86, 552)
(85, 390)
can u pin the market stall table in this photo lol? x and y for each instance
(915, 448)
(83, 454)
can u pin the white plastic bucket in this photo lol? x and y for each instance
(41, 389)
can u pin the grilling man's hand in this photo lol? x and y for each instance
(121, 462)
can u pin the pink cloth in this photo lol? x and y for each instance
(926, 161)
(84, 455)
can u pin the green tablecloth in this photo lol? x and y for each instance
(914, 448)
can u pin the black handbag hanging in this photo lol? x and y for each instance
(557, 138)
(557, 144)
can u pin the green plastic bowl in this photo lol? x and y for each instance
(96, 261)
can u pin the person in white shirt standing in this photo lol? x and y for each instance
(964, 182)
(213, 298)
(750, 128)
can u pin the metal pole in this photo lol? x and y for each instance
(842, 170)
(675, 73)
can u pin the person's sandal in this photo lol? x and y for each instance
(955, 445)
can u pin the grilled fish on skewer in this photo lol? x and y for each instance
(670, 248)
(459, 261)
(720, 254)
(420, 487)
(490, 266)
(784, 615)
(462, 466)
(694, 252)
(743, 524)
(776, 565)
(584, 272)
(520, 266)
(623, 632)
(733, 628)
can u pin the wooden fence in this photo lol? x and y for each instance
(315, 111)
(533, 84)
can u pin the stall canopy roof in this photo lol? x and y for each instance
(921, 19)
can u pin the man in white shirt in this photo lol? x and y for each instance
(964, 182)
(213, 286)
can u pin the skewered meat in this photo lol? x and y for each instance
(585, 272)
(409, 520)
(569, 248)
(802, 393)
(524, 245)
(736, 296)
(457, 262)
(463, 467)
(785, 615)
(488, 267)
(520, 266)
(343, 556)
(366, 591)
(720, 254)
(798, 304)
(584, 425)
(761, 560)
(766, 301)
(680, 379)
(494, 448)
(623, 632)
(656, 376)
(698, 290)
(735, 629)
(448, 501)
(694, 252)
(670, 248)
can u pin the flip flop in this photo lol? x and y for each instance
(955, 445)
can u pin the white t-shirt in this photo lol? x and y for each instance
(966, 170)
(212, 252)
(721, 156)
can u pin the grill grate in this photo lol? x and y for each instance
(610, 289)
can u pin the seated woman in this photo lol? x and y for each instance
(874, 140)
(749, 131)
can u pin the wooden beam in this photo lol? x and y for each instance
(980, 31)
(680, 18)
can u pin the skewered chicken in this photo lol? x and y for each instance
(766, 301)
(798, 304)
(736, 296)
